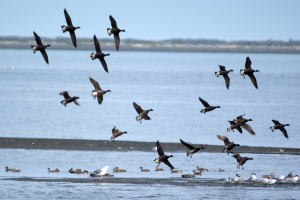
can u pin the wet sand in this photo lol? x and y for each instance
(160, 181)
(108, 145)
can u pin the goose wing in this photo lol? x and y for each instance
(76, 102)
(65, 94)
(113, 22)
(187, 145)
(137, 108)
(222, 68)
(248, 63)
(169, 164)
(100, 98)
(160, 150)
(114, 130)
(284, 132)
(103, 64)
(37, 39)
(238, 157)
(240, 117)
(44, 54)
(253, 79)
(117, 41)
(248, 128)
(95, 83)
(97, 45)
(205, 104)
(239, 129)
(275, 121)
(227, 80)
(225, 139)
(73, 37)
(68, 18)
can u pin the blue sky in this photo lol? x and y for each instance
(156, 20)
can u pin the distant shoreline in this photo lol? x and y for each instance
(108, 47)
(119, 145)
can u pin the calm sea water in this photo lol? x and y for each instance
(169, 83)
(34, 164)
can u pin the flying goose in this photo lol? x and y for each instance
(242, 121)
(249, 71)
(40, 47)
(70, 28)
(114, 30)
(233, 126)
(207, 106)
(280, 126)
(162, 157)
(143, 114)
(68, 99)
(224, 72)
(116, 133)
(98, 92)
(241, 160)
(192, 148)
(99, 54)
(228, 145)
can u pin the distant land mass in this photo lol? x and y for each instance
(170, 45)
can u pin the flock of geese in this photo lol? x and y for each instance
(238, 123)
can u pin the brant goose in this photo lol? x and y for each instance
(144, 170)
(40, 47)
(280, 126)
(53, 171)
(192, 148)
(70, 28)
(207, 106)
(99, 54)
(241, 160)
(143, 114)
(228, 145)
(249, 71)
(224, 72)
(116, 133)
(98, 92)
(162, 157)
(221, 170)
(68, 99)
(242, 121)
(234, 125)
(114, 30)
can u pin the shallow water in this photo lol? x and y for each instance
(34, 164)
(169, 83)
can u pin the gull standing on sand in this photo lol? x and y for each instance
(101, 172)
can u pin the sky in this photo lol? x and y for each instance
(156, 19)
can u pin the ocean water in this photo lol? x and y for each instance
(34, 164)
(170, 84)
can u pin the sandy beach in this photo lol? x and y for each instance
(107, 145)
